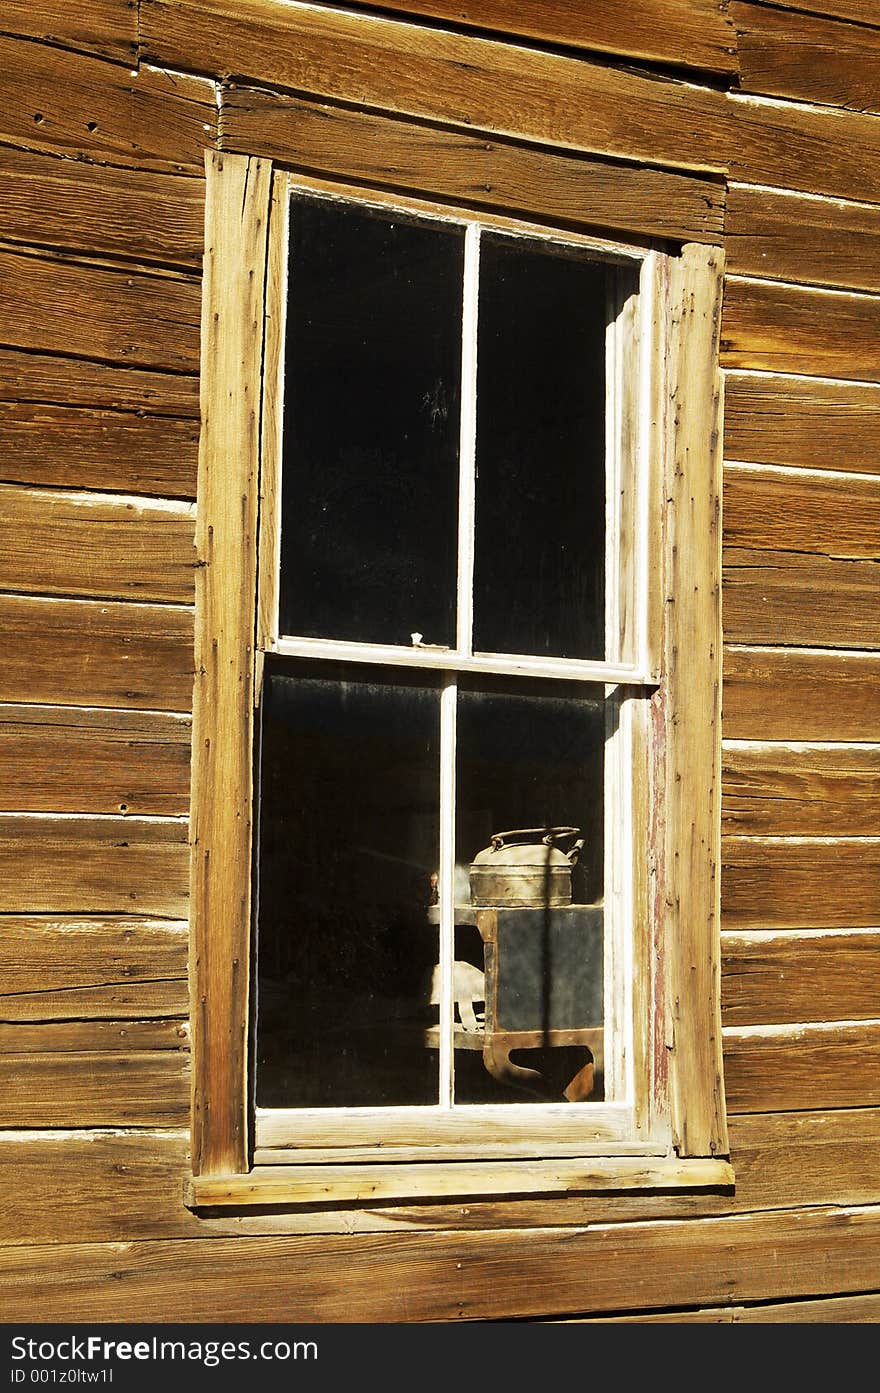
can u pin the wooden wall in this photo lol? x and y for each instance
(693, 120)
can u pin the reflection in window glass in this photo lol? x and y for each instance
(348, 843)
(371, 425)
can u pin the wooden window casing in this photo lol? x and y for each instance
(665, 1124)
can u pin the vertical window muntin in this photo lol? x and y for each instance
(623, 671)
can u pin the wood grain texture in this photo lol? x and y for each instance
(781, 328)
(784, 236)
(55, 100)
(860, 11)
(88, 653)
(783, 694)
(115, 315)
(692, 667)
(777, 790)
(454, 78)
(783, 53)
(800, 558)
(468, 169)
(411, 1277)
(839, 1310)
(93, 968)
(773, 979)
(801, 422)
(805, 1067)
(78, 207)
(237, 209)
(810, 149)
(90, 448)
(119, 1186)
(67, 759)
(90, 544)
(105, 27)
(93, 1073)
(688, 33)
(778, 883)
(62, 381)
(93, 865)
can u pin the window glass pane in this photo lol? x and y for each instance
(540, 489)
(371, 425)
(529, 911)
(348, 844)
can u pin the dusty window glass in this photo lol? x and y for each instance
(371, 425)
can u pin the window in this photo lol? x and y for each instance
(456, 711)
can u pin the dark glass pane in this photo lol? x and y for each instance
(529, 912)
(371, 426)
(348, 844)
(540, 491)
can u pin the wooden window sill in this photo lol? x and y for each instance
(300, 1185)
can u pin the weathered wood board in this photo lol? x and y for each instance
(691, 33)
(93, 865)
(112, 314)
(782, 328)
(460, 1276)
(105, 27)
(77, 207)
(802, 422)
(60, 968)
(800, 790)
(69, 759)
(783, 53)
(791, 976)
(76, 105)
(795, 694)
(802, 1067)
(780, 882)
(90, 544)
(90, 448)
(544, 184)
(789, 237)
(93, 653)
(62, 381)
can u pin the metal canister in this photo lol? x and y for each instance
(525, 868)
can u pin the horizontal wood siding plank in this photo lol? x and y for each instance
(690, 33)
(860, 11)
(774, 979)
(782, 597)
(786, 54)
(469, 169)
(89, 448)
(55, 100)
(776, 883)
(105, 27)
(789, 579)
(774, 694)
(61, 381)
(102, 1089)
(95, 1037)
(809, 149)
(95, 968)
(781, 328)
(66, 759)
(835, 1310)
(802, 422)
(419, 71)
(458, 1276)
(88, 653)
(106, 1186)
(54, 865)
(786, 237)
(835, 1068)
(116, 315)
(78, 207)
(85, 544)
(774, 790)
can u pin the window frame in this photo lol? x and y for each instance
(675, 1132)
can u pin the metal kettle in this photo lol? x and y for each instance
(525, 868)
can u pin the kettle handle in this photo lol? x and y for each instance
(548, 835)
